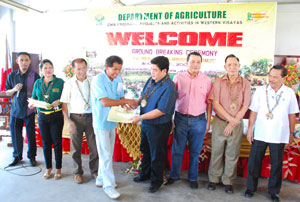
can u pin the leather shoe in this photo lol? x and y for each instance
(248, 193)
(274, 197)
(153, 189)
(14, 162)
(78, 179)
(170, 181)
(211, 186)
(32, 162)
(194, 184)
(140, 179)
(228, 189)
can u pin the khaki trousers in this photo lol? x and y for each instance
(228, 147)
(84, 124)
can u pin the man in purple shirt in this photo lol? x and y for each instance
(193, 89)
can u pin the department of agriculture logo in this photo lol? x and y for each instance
(257, 17)
(99, 18)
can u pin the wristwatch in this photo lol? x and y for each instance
(293, 133)
(140, 118)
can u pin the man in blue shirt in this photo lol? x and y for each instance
(107, 91)
(157, 106)
(19, 84)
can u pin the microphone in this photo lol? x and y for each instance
(21, 85)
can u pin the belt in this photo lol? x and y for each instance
(82, 115)
(191, 116)
(222, 119)
(50, 112)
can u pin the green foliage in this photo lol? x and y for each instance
(260, 67)
(245, 72)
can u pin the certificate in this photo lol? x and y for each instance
(39, 104)
(118, 114)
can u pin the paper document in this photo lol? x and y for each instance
(39, 104)
(118, 114)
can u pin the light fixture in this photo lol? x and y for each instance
(118, 3)
(15, 5)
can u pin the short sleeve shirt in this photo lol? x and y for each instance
(275, 130)
(103, 87)
(19, 105)
(240, 94)
(192, 93)
(72, 95)
(54, 91)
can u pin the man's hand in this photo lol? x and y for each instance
(18, 87)
(234, 121)
(291, 141)
(228, 130)
(15, 89)
(132, 103)
(135, 119)
(207, 127)
(71, 127)
(173, 124)
(126, 107)
(250, 135)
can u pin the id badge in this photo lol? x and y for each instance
(120, 88)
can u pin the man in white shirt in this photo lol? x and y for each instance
(76, 99)
(271, 123)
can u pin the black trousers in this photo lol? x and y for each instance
(257, 154)
(16, 127)
(51, 127)
(154, 142)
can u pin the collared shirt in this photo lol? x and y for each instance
(275, 130)
(192, 93)
(72, 96)
(221, 93)
(19, 105)
(163, 99)
(103, 87)
(54, 94)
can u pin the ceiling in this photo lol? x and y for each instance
(76, 5)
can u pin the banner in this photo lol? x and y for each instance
(138, 34)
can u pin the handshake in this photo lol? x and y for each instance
(130, 104)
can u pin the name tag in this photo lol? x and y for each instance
(120, 87)
(55, 90)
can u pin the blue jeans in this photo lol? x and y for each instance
(16, 127)
(193, 131)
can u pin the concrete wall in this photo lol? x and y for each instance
(288, 30)
(7, 27)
